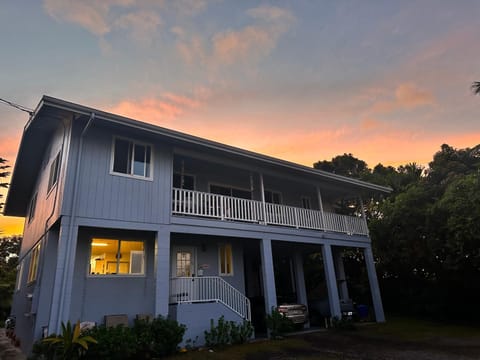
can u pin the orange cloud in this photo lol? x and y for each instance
(409, 96)
(228, 47)
(406, 96)
(161, 111)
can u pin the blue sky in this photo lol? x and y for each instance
(301, 80)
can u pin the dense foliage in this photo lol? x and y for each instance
(147, 339)
(9, 248)
(3, 174)
(426, 234)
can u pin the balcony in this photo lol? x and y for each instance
(207, 205)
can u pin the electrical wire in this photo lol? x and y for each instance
(17, 106)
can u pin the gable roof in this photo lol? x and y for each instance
(44, 121)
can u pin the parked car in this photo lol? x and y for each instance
(320, 309)
(296, 312)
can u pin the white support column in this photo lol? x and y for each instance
(364, 216)
(300, 281)
(331, 281)
(374, 288)
(340, 271)
(162, 284)
(320, 206)
(269, 290)
(62, 287)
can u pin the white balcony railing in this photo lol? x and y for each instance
(196, 203)
(206, 289)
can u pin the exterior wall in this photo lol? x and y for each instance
(48, 202)
(207, 255)
(197, 318)
(102, 195)
(93, 297)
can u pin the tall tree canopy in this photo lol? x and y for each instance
(9, 248)
(426, 234)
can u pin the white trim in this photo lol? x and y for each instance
(131, 175)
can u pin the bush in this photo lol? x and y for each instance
(114, 343)
(344, 323)
(227, 332)
(158, 337)
(278, 324)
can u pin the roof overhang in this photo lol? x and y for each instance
(50, 110)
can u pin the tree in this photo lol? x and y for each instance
(9, 248)
(476, 87)
(3, 174)
(346, 165)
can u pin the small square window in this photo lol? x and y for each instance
(54, 172)
(131, 158)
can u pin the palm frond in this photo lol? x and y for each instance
(476, 87)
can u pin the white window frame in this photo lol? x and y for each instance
(224, 246)
(101, 276)
(54, 172)
(34, 264)
(131, 174)
(19, 276)
(32, 207)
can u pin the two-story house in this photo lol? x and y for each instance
(124, 217)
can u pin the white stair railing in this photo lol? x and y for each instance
(207, 289)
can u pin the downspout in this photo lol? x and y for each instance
(67, 273)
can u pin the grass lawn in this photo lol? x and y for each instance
(399, 338)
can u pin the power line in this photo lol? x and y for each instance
(17, 106)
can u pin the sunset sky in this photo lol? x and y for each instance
(388, 81)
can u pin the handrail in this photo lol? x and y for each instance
(207, 289)
(196, 203)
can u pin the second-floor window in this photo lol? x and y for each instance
(31, 208)
(131, 158)
(183, 181)
(54, 171)
(273, 197)
(229, 191)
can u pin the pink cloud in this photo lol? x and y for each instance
(410, 96)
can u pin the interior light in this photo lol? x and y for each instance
(99, 244)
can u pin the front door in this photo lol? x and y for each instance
(183, 261)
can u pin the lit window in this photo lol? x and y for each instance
(19, 276)
(117, 257)
(131, 158)
(31, 208)
(33, 269)
(225, 259)
(54, 171)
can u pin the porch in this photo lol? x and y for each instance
(214, 206)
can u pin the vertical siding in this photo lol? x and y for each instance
(106, 196)
(46, 208)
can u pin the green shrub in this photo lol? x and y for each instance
(114, 343)
(278, 324)
(158, 337)
(71, 344)
(227, 332)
